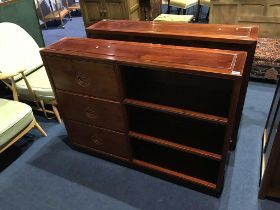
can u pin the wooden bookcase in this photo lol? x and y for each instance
(229, 37)
(270, 162)
(126, 101)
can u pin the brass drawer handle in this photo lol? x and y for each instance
(90, 113)
(82, 79)
(97, 141)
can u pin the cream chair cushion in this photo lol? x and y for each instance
(205, 2)
(39, 83)
(18, 50)
(14, 117)
(183, 3)
(174, 18)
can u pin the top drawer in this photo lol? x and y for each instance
(84, 77)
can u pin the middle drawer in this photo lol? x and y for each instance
(99, 112)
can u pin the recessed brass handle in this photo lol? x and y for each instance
(82, 79)
(96, 140)
(90, 113)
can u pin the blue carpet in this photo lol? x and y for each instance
(73, 28)
(48, 174)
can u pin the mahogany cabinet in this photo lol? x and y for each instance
(229, 37)
(144, 106)
(270, 162)
(95, 10)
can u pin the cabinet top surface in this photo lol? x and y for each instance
(204, 32)
(187, 59)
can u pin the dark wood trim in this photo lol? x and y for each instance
(177, 111)
(176, 146)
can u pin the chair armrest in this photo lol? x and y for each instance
(8, 75)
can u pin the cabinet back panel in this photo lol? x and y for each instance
(177, 161)
(181, 130)
(201, 94)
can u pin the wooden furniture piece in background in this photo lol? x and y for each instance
(145, 106)
(270, 161)
(262, 13)
(57, 12)
(26, 20)
(73, 5)
(95, 10)
(196, 35)
(149, 9)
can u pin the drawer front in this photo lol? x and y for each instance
(93, 111)
(99, 139)
(85, 77)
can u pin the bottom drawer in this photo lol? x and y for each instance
(103, 140)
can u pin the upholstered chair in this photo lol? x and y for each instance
(16, 119)
(181, 4)
(20, 57)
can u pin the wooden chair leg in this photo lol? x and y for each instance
(62, 24)
(14, 90)
(179, 11)
(168, 7)
(44, 109)
(56, 113)
(197, 12)
(40, 129)
(207, 16)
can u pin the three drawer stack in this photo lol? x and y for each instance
(89, 96)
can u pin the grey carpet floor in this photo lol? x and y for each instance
(50, 175)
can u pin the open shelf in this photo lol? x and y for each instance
(186, 113)
(205, 95)
(192, 133)
(175, 146)
(186, 166)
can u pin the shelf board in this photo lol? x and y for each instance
(182, 112)
(175, 146)
(174, 173)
